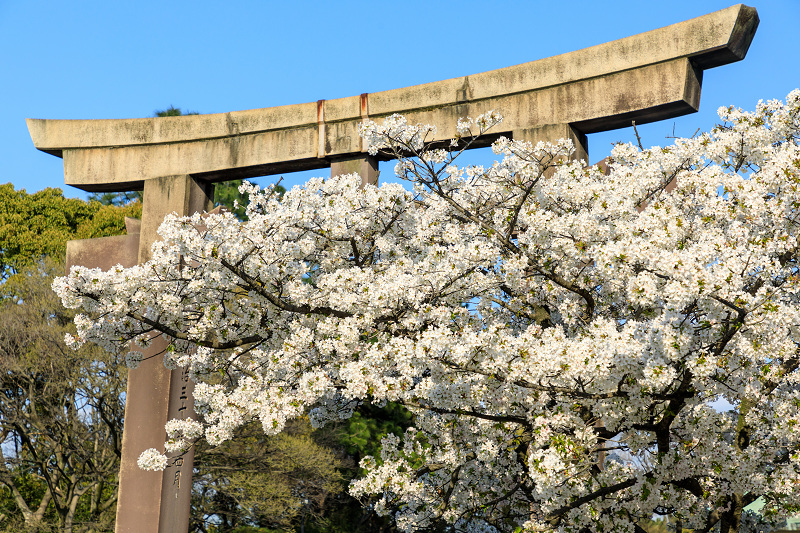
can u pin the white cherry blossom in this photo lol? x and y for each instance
(560, 335)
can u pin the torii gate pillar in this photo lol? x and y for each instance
(554, 132)
(161, 394)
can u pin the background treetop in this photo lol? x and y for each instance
(36, 225)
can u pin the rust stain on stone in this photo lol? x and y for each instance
(322, 147)
(320, 111)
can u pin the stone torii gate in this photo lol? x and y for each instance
(176, 160)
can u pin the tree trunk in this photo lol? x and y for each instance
(732, 518)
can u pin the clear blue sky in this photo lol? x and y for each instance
(119, 59)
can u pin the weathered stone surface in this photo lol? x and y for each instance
(176, 483)
(104, 252)
(179, 194)
(364, 165)
(646, 77)
(139, 503)
(554, 132)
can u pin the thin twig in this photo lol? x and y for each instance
(638, 139)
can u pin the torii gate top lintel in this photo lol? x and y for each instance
(645, 77)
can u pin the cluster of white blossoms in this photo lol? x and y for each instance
(152, 459)
(561, 335)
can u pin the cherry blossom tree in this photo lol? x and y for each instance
(563, 336)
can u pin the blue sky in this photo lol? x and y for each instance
(119, 59)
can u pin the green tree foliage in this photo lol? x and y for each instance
(117, 198)
(227, 194)
(36, 225)
(173, 111)
(363, 431)
(267, 483)
(296, 480)
(61, 411)
(61, 414)
(359, 436)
